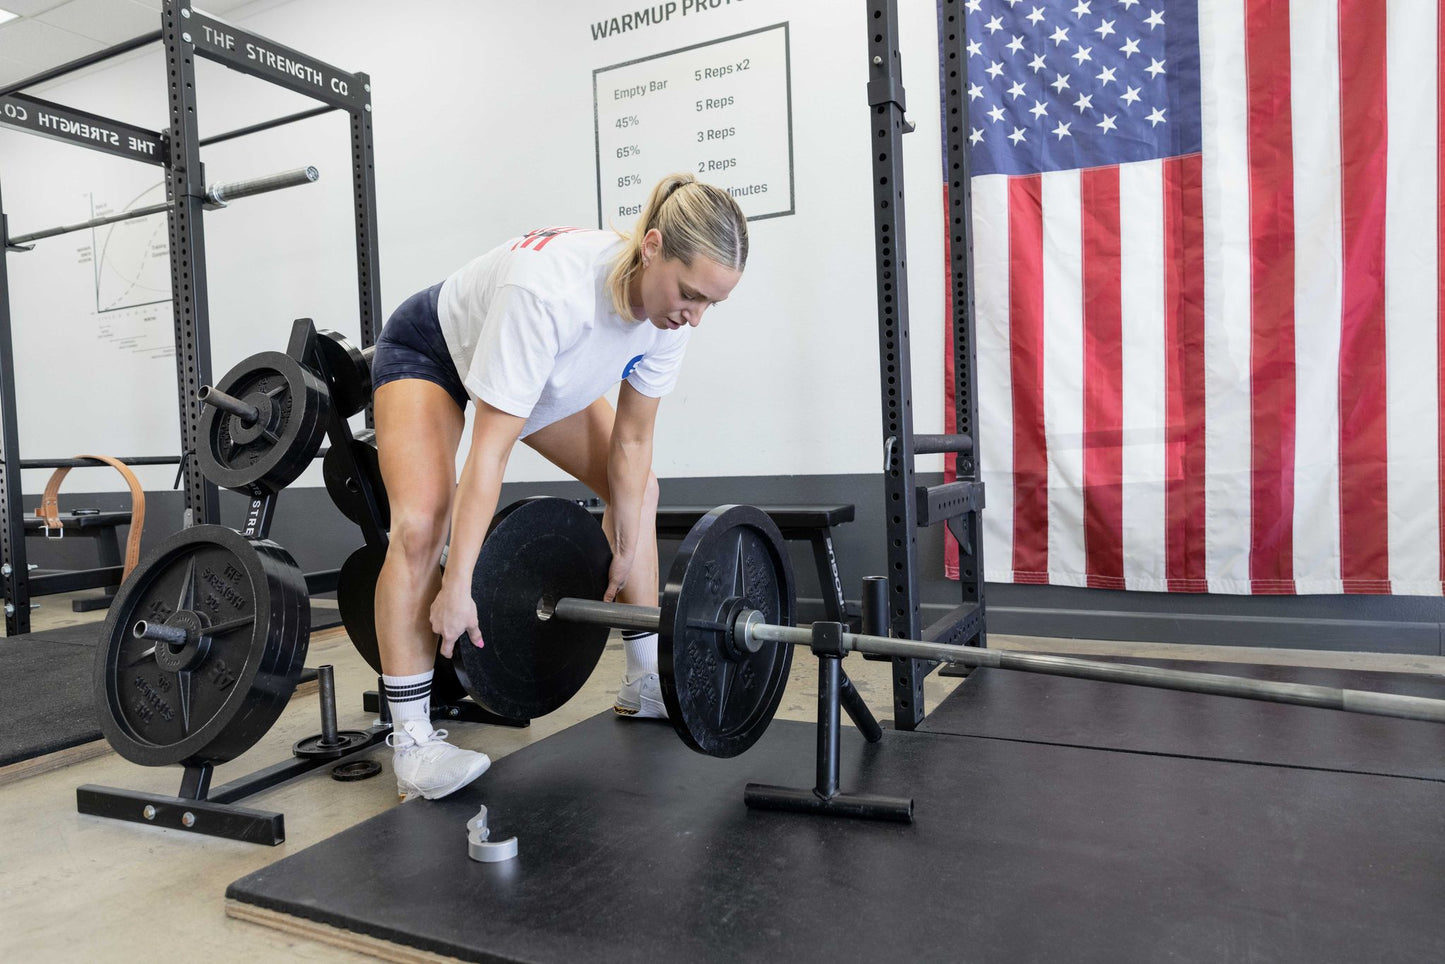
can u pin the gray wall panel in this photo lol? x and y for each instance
(320, 538)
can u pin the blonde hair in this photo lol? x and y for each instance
(694, 219)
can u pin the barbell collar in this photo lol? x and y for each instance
(1299, 694)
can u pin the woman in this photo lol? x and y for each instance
(533, 333)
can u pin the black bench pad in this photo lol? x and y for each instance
(87, 520)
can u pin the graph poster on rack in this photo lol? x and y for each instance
(721, 110)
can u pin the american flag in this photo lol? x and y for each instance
(1208, 292)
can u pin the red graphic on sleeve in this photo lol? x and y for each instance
(541, 237)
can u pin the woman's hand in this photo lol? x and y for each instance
(453, 614)
(617, 575)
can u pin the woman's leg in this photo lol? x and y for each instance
(418, 428)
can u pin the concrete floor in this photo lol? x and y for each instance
(82, 888)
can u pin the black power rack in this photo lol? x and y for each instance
(185, 34)
(908, 506)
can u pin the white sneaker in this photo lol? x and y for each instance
(427, 766)
(641, 698)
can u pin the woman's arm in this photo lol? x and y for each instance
(629, 462)
(494, 433)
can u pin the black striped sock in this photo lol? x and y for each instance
(408, 697)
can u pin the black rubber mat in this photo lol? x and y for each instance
(47, 703)
(324, 617)
(1005, 704)
(633, 848)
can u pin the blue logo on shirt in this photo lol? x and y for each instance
(631, 366)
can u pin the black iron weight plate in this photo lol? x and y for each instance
(349, 370)
(343, 485)
(252, 594)
(262, 459)
(721, 704)
(356, 602)
(354, 770)
(537, 549)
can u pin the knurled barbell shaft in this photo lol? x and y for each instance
(210, 395)
(1301, 694)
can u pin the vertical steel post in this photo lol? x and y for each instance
(368, 265)
(186, 190)
(954, 77)
(887, 125)
(12, 522)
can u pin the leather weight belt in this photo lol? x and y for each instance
(49, 511)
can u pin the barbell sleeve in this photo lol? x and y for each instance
(220, 194)
(160, 632)
(1299, 694)
(210, 395)
(593, 613)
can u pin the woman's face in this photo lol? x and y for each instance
(671, 294)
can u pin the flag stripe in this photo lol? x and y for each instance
(1184, 373)
(1142, 363)
(1224, 100)
(1026, 340)
(1315, 109)
(1272, 370)
(1364, 524)
(1411, 225)
(1102, 378)
(995, 416)
(1063, 365)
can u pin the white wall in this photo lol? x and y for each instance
(484, 129)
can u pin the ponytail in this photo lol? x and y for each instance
(694, 219)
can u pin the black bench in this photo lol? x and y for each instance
(92, 524)
(810, 523)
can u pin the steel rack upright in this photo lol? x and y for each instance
(907, 505)
(185, 34)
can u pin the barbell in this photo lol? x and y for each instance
(725, 633)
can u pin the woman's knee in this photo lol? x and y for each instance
(417, 537)
(651, 495)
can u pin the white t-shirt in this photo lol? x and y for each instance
(531, 329)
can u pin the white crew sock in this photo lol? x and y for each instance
(408, 698)
(640, 648)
